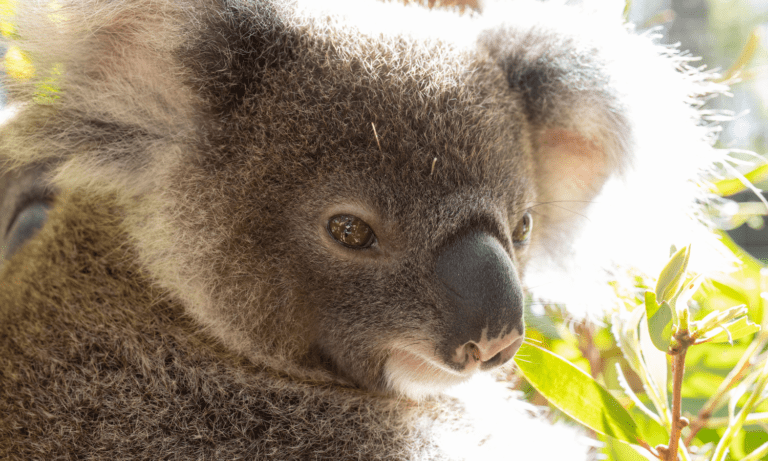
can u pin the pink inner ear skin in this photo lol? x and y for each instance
(573, 161)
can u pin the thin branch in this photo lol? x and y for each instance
(678, 368)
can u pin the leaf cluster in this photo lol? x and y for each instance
(636, 408)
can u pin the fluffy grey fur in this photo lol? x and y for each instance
(185, 300)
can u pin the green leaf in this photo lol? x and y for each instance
(736, 294)
(624, 329)
(673, 274)
(617, 451)
(649, 429)
(672, 250)
(575, 393)
(655, 379)
(734, 185)
(659, 319)
(737, 329)
(686, 294)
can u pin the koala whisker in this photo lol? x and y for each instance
(376, 136)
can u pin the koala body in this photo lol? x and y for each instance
(281, 229)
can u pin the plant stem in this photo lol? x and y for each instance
(678, 367)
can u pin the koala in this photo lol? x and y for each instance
(291, 229)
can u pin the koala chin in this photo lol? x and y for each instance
(289, 229)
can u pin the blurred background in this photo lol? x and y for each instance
(718, 31)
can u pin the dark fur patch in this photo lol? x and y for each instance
(236, 47)
(544, 69)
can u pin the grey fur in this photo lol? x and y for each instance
(185, 300)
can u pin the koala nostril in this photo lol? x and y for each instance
(489, 353)
(473, 352)
(508, 352)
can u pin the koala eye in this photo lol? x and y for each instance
(522, 232)
(351, 231)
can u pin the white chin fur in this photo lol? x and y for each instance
(416, 377)
(496, 425)
(484, 418)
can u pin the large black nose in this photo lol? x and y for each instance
(484, 311)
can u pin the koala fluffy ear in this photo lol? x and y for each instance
(616, 133)
(101, 78)
(571, 170)
(576, 124)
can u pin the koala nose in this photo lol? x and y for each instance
(484, 309)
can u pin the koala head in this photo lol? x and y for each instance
(328, 196)
(376, 215)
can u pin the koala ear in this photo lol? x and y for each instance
(602, 103)
(571, 170)
(107, 83)
(578, 131)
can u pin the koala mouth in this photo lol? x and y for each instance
(417, 375)
(414, 371)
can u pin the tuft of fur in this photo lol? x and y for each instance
(184, 299)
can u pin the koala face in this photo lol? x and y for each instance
(398, 241)
(405, 303)
(277, 222)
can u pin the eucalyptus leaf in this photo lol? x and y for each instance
(655, 360)
(639, 405)
(718, 318)
(575, 393)
(685, 296)
(659, 318)
(617, 451)
(673, 274)
(624, 329)
(728, 290)
(730, 332)
(650, 430)
(672, 250)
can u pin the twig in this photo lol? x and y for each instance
(679, 347)
(678, 423)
